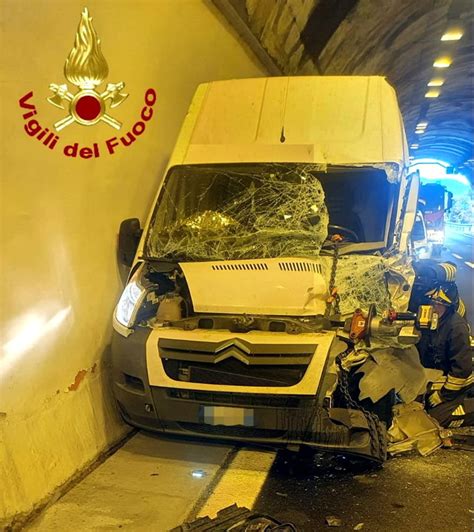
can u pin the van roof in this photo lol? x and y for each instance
(340, 120)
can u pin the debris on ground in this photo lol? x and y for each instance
(462, 438)
(398, 505)
(332, 520)
(413, 429)
(359, 526)
(237, 519)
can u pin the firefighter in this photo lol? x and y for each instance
(448, 348)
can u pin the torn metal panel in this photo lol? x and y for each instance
(391, 368)
(400, 277)
(241, 213)
(413, 429)
(392, 170)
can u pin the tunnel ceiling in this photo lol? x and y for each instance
(399, 39)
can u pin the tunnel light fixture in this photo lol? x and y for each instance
(443, 61)
(452, 34)
(414, 146)
(433, 93)
(420, 127)
(436, 82)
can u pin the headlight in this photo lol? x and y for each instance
(127, 307)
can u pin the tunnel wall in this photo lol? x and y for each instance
(60, 217)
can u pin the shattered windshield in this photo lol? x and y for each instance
(228, 212)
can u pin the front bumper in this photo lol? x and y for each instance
(277, 419)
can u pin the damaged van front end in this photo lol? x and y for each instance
(262, 256)
(215, 345)
(226, 394)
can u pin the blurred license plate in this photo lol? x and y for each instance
(224, 415)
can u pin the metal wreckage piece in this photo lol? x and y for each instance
(237, 519)
(265, 216)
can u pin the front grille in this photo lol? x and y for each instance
(235, 362)
(239, 348)
(232, 372)
(234, 432)
(223, 399)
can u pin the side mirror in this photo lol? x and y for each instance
(128, 240)
(450, 201)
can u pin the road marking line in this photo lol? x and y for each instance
(470, 264)
(456, 256)
(241, 482)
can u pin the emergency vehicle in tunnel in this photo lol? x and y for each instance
(286, 208)
(436, 201)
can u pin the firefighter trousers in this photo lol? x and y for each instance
(456, 413)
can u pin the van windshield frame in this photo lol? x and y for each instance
(267, 210)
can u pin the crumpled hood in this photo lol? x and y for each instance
(278, 287)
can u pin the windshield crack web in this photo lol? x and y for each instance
(232, 213)
(360, 281)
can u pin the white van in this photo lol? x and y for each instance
(284, 208)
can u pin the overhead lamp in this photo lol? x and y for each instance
(414, 146)
(432, 94)
(452, 34)
(419, 131)
(443, 61)
(436, 82)
(421, 125)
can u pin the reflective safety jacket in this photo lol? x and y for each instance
(449, 349)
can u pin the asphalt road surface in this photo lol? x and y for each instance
(154, 483)
(459, 248)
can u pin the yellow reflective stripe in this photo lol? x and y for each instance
(455, 386)
(445, 268)
(456, 424)
(435, 399)
(450, 271)
(461, 308)
(459, 380)
(438, 383)
(453, 272)
(459, 411)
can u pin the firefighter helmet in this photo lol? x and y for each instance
(445, 294)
